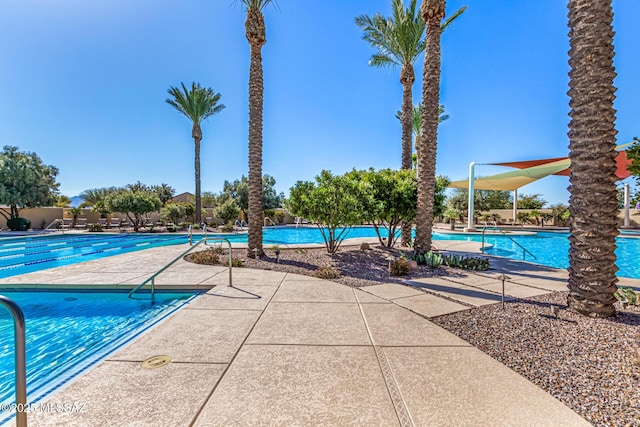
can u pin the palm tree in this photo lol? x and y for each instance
(257, 37)
(592, 150)
(399, 40)
(416, 127)
(196, 104)
(432, 13)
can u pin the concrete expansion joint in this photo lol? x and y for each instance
(404, 417)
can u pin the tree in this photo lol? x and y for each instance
(238, 190)
(62, 201)
(592, 151)
(196, 104)
(25, 182)
(416, 126)
(531, 201)
(483, 200)
(256, 36)
(227, 211)
(173, 212)
(390, 199)
(95, 198)
(164, 191)
(432, 13)
(399, 40)
(334, 203)
(136, 205)
(633, 153)
(209, 199)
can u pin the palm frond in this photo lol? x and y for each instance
(257, 4)
(449, 19)
(197, 104)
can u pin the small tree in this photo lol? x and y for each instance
(531, 201)
(164, 191)
(173, 212)
(227, 211)
(389, 198)
(633, 153)
(74, 213)
(134, 204)
(25, 182)
(335, 203)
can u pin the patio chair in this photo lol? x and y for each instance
(66, 224)
(81, 223)
(115, 223)
(102, 222)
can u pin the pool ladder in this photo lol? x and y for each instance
(152, 279)
(20, 358)
(525, 251)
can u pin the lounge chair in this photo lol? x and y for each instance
(81, 223)
(66, 224)
(115, 223)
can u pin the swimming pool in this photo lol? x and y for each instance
(24, 255)
(68, 332)
(551, 249)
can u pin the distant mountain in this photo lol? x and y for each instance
(75, 201)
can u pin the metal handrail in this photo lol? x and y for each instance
(153, 277)
(524, 250)
(21, 359)
(55, 221)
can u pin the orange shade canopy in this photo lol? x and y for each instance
(622, 162)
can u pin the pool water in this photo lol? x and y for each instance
(68, 332)
(551, 249)
(24, 255)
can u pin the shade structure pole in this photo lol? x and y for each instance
(472, 167)
(515, 205)
(626, 205)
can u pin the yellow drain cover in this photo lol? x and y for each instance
(156, 362)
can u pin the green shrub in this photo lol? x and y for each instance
(327, 273)
(399, 267)
(95, 228)
(18, 224)
(236, 262)
(627, 294)
(227, 228)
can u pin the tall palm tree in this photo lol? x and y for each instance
(196, 104)
(592, 150)
(257, 37)
(399, 40)
(432, 13)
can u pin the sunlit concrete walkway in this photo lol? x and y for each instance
(285, 349)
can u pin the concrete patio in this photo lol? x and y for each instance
(306, 352)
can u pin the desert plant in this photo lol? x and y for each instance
(399, 267)
(228, 228)
(430, 259)
(466, 263)
(237, 262)
(327, 273)
(627, 294)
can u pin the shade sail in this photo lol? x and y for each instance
(514, 179)
(622, 162)
(532, 170)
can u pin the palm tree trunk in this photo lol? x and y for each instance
(592, 142)
(256, 35)
(407, 78)
(432, 13)
(197, 137)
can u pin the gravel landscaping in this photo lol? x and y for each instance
(591, 365)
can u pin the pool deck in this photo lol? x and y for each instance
(307, 352)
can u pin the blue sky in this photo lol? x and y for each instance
(83, 85)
